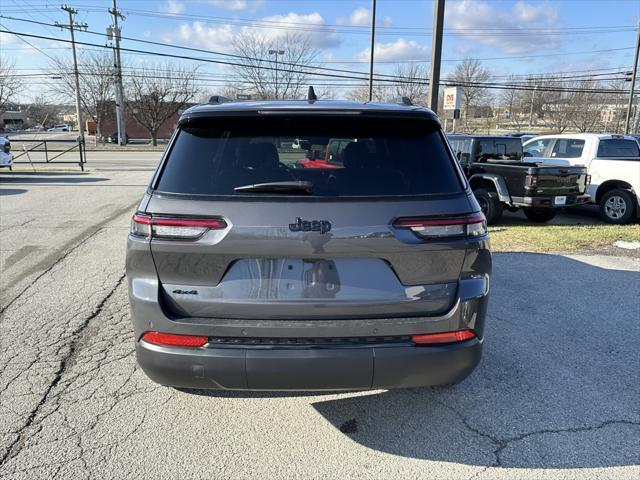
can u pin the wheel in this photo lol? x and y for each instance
(617, 206)
(539, 215)
(490, 204)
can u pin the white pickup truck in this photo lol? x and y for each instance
(612, 161)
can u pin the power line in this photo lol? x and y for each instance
(397, 80)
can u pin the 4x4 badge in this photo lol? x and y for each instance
(322, 226)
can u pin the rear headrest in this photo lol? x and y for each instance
(355, 155)
(258, 156)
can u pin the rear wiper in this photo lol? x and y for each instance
(292, 187)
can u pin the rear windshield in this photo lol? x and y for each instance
(618, 148)
(338, 156)
(499, 148)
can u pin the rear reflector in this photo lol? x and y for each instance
(173, 340)
(173, 228)
(447, 337)
(439, 227)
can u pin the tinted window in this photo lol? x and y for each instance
(568, 148)
(373, 157)
(499, 148)
(618, 148)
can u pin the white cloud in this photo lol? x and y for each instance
(174, 7)
(473, 17)
(200, 35)
(220, 38)
(6, 38)
(238, 5)
(361, 17)
(401, 49)
(314, 26)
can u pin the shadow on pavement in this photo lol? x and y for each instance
(557, 387)
(11, 191)
(50, 178)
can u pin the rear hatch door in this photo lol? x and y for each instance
(301, 243)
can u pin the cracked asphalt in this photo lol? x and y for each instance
(557, 394)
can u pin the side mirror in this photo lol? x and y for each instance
(527, 154)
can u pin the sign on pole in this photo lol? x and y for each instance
(452, 102)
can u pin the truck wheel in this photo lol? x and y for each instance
(490, 204)
(539, 215)
(617, 206)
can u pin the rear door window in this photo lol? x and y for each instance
(618, 148)
(373, 157)
(537, 148)
(568, 148)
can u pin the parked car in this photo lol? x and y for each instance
(247, 273)
(500, 179)
(63, 127)
(6, 157)
(113, 138)
(613, 162)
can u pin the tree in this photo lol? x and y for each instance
(469, 75)
(10, 84)
(413, 83)
(156, 94)
(380, 93)
(96, 84)
(556, 110)
(513, 102)
(41, 112)
(585, 107)
(257, 67)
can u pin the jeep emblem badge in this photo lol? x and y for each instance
(322, 226)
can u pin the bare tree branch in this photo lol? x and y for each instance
(9, 83)
(156, 94)
(258, 66)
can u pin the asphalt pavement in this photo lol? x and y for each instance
(555, 396)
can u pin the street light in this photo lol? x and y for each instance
(276, 53)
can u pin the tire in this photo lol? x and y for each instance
(539, 215)
(617, 206)
(490, 204)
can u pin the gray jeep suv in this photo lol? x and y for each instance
(308, 245)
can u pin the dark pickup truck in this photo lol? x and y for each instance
(500, 179)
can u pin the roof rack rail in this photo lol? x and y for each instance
(402, 101)
(216, 99)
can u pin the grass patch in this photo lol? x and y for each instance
(560, 238)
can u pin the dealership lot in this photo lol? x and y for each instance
(555, 396)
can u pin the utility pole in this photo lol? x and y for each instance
(436, 53)
(633, 84)
(72, 12)
(117, 65)
(373, 43)
(276, 53)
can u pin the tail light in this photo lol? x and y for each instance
(173, 228)
(446, 337)
(531, 182)
(173, 340)
(473, 225)
(587, 179)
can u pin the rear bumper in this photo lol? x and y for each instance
(547, 201)
(340, 368)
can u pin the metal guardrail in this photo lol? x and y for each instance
(46, 147)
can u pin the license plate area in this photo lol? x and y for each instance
(560, 200)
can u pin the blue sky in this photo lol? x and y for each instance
(534, 36)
